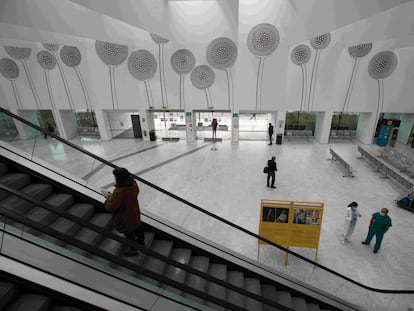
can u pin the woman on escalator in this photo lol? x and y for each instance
(123, 204)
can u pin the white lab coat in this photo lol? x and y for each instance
(347, 232)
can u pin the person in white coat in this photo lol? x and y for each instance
(352, 214)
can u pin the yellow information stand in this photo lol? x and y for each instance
(291, 223)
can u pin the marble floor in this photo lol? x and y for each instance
(226, 179)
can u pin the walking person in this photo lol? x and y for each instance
(46, 129)
(271, 172)
(378, 226)
(214, 125)
(352, 214)
(270, 130)
(123, 203)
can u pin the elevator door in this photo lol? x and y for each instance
(136, 125)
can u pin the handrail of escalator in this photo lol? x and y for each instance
(385, 291)
(122, 262)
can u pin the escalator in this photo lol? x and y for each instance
(66, 218)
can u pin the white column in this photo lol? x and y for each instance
(69, 123)
(147, 123)
(235, 127)
(103, 124)
(190, 126)
(366, 127)
(323, 126)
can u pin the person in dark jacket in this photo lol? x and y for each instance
(271, 172)
(270, 130)
(214, 125)
(123, 204)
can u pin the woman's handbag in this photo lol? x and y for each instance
(265, 170)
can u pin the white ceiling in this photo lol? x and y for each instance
(123, 21)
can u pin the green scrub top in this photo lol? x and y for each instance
(380, 222)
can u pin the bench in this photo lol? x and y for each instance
(397, 159)
(348, 169)
(342, 134)
(301, 134)
(385, 168)
(88, 131)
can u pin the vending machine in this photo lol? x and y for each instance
(388, 131)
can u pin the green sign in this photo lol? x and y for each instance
(235, 115)
(188, 114)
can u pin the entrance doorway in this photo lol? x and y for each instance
(254, 126)
(136, 126)
(169, 125)
(204, 119)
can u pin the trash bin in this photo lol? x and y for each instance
(279, 138)
(152, 135)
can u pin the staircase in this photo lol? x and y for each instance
(66, 200)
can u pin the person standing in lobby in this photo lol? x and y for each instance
(214, 125)
(270, 130)
(378, 226)
(352, 214)
(271, 172)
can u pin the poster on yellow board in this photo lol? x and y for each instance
(291, 223)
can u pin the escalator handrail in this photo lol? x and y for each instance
(113, 258)
(207, 212)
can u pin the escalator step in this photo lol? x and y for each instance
(80, 210)
(200, 263)
(30, 302)
(163, 247)
(253, 285)
(138, 260)
(181, 255)
(60, 201)
(313, 307)
(236, 278)
(284, 298)
(89, 236)
(13, 180)
(36, 191)
(219, 271)
(7, 293)
(269, 292)
(110, 246)
(299, 304)
(3, 169)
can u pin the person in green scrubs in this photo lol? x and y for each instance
(378, 226)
